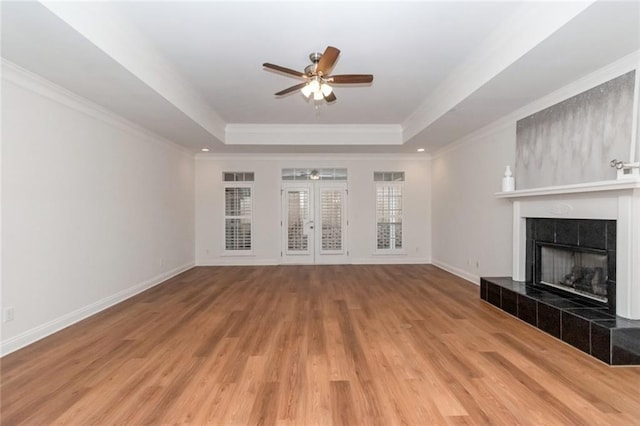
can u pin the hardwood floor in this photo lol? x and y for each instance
(305, 345)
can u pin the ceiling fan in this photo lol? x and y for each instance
(317, 78)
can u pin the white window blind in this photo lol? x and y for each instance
(389, 188)
(238, 218)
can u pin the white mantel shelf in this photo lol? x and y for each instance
(606, 185)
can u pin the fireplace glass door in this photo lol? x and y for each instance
(574, 270)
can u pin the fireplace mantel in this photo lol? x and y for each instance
(607, 185)
(613, 200)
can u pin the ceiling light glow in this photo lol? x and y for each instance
(306, 91)
(420, 149)
(314, 86)
(205, 149)
(317, 89)
(326, 89)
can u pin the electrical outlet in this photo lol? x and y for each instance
(7, 314)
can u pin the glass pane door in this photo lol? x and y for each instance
(332, 220)
(314, 222)
(298, 223)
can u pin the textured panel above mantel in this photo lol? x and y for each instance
(607, 185)
(574, 140)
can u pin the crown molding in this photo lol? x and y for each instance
(105, 27)
(527, 28)
(589, 81)
(615, 69)
(487, 131)
(34, 83)
(313, 134)
(212, 156)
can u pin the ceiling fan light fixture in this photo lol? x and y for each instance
(318, 75)
(312, 88)
(306, 91)
(326, 89)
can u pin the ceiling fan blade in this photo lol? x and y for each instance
(351, 78)
(328, 60)
(291, 89)
(331, 97)
(285, 70)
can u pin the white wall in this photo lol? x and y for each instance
(361, 207)
(94, 209)
(472, 230)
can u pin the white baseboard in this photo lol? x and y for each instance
(41, 331)
(390, 260)
(239, 261)
(376, 260)
(457, 271)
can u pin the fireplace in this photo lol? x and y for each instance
(571, 245)
(575, 256)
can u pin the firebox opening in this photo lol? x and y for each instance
(576, 270)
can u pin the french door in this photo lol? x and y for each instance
(314, 222)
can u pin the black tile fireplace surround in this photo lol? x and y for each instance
(576, 235)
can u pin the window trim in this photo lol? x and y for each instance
(386, 251)
(236, 184)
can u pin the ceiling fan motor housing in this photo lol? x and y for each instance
(315, 58)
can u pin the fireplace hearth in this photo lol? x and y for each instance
(575, 320)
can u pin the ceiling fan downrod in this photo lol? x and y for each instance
(311, 69)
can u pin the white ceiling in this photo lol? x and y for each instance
(192, 71)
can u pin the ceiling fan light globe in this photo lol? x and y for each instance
(317, 96)
(306, 91)
(314, 85)
(326, 89)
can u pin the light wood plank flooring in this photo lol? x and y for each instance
(306, 345)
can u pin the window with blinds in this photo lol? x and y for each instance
(238, 211)
(389, 188)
